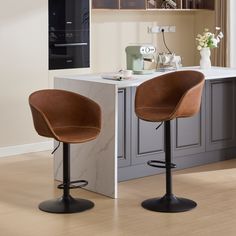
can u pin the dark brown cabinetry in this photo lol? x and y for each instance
(105, 4)
(209, 4)
(153, 4)
(198, 4)
(132, 4)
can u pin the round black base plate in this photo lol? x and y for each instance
(66, 205)
(169, 204)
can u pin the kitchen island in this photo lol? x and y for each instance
(127, 143)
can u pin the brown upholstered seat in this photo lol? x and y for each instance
(65, 116)
(172, 95)
(69, 118)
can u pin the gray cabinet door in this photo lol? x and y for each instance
(220, 114)
(147, 142)
(188, 136)
(124, 119)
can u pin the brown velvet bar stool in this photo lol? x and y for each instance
(68, 118)
(162, 99)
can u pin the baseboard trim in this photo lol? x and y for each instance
(25, 148)
(203, 158)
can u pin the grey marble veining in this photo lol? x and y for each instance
(94, 161)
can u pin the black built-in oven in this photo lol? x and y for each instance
(69, 40)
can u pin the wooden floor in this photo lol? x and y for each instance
(27, 180)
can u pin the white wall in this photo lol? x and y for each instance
(112, 31)
(23, 67)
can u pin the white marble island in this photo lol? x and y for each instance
(96, 161)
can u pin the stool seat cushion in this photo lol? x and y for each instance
(76, 134)
(155, 114)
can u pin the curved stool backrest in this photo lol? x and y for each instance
(180, 90)
(53, 108)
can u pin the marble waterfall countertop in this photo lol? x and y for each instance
(212, 73)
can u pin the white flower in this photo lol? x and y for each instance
(199, 48)
(208, 39)
(214, 42)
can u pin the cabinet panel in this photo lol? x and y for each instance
(220, 114)
(133, 4)
(147, 142)
(210, 4)
(189, 133)
(192, 4)
(221, 117)
(198, 4)
(106, 4)
(121, 123)
(149, 139)
(68, 15)
(123, 127)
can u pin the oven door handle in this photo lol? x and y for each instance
(69, 44)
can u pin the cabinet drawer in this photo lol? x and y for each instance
(68, 15)
(220, 116)
(188, 134)
(72, 56)
(147, 142)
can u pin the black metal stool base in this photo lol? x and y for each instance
(66, 205)
(169, 204)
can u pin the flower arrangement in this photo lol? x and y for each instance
(208, 39)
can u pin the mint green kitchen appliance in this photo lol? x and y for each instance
(136, 56)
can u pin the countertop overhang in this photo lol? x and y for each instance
(212, 73)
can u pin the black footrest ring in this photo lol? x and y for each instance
(155, 163)
(82, 183)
